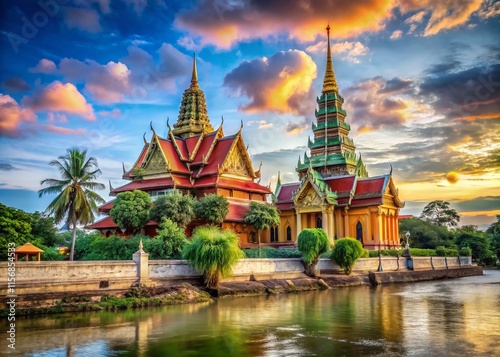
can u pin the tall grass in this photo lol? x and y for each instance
(213, 252)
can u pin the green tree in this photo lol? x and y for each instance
(131, 210)
(312, 243)
(345, 252)
(44, 228)
(262, 216)
(15, 227)
(439, 213)
(173, 239)
(494, 232)
(479, 244)
(76, 202)
(213, 252)
(425, 234)
(175, 206)
(212, 208)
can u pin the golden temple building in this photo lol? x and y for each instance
(195, 159)
(334, 192)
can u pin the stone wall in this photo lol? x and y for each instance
(102, 276)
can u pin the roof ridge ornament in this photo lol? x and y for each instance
(144, 138)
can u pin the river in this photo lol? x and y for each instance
(458, 317)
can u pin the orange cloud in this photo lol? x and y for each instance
(346, 51)
(224, 23)
(44, 66)
(12, 116)
(443, 14)
(59, 97)
(304, 20)
(280, 83)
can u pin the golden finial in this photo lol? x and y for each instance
(329, 82)
(194, 76)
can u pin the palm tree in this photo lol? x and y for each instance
(76, 201)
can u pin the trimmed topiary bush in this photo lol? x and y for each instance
(312, 242)
(465, 252)
(213, 252)
(346, 252)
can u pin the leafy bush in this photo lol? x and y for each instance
(479, 245)
(345, 253)
(386, 252)
(214, 252)
(465, 252)
(312, 242)
(174, 205)
(212, 208)
(173, 239)
(50, 253)
(365, 254)
(131, 210)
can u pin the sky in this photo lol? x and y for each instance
(420, 79)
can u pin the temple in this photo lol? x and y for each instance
(335, 192)
(194, 158)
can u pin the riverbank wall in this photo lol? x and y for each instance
(39, 284)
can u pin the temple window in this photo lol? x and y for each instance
(288, 233)
(319, 222)
(359, 231)
(274, 234)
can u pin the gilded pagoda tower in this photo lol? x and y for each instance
(193, 115)
(332, 152)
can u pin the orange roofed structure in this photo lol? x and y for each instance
(335, 192)
(194, 158)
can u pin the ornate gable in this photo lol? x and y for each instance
(391, 195)
(313, 191)
(238, 161)
(154, 162)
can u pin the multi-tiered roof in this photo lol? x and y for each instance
(193, 158)
(332, 152)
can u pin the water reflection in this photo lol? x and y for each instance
(454, 317)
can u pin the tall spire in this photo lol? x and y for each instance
(329, 83)
(193, 116)
(194, 76)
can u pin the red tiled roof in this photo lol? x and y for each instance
(245, 185)
(172, 157)
(191, 143)
(182, 181)
(218, 155)
(405, 216)
(181, 144)
(106, 207)
(139, 160)
(107, 222)
(341, 184)
(286, 191)
(146, 185)
(204, 147)
(284, 206)
(368, 185)
(237, 212)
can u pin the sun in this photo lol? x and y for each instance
(452, 177)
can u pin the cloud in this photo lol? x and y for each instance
(59, 97)
(396, 35)
(444, 15)
(64, 131)
(280, 83)
(225, 25)
(107, 83)
(6, 167)
(12, 116)
(85, 19)
(15, 84)
(57, 118)
(103, 4)
(377, 103)
(345, 51)
(44, 66)
(189, 44)
(115, 113)
(468, 94)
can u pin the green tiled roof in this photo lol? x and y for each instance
(333, 123)
(330, 96)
